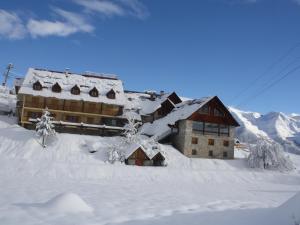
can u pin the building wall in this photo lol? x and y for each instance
(183, 142)
(31, 107)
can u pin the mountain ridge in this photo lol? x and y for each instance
(277, 126)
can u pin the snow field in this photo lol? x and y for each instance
(187, 191)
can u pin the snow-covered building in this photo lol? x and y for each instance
(198, 128)
(149, 106)
(139, 155)
(80, 103)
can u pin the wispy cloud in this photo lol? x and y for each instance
(115, 7)
(68, 24)
(106, 8)
(297, 1)
(11, 26)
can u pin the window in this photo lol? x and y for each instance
(194, 152)
(194, 140)
(111, 94)
(210, 153)
(109, 122)
(56, 88)
(37, 86)
(224, 154)
(211, 142)
(224, 130)
(73, 119)
(94, 92)
(211, 128)
(198, 126)
(75, 90)
(225, 143)
(218, 112)
(204, 110)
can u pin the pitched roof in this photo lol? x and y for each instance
(67, 81)
(160, 128)
(150, 153)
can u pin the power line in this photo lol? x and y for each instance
(276, 76)
(270, 85)
(269, 68)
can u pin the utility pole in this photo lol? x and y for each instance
(6, 74)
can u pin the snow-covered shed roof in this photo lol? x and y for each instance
(68, 80)
(150, 152)
(160, 128)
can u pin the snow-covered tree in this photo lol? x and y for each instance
(131, 129)
(115, 153)
(267, 154)
(45, 126)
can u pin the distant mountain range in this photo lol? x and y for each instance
(283, 129)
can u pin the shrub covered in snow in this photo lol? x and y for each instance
(267, 154)
(115, 154)
(45, 127)
(131, 130)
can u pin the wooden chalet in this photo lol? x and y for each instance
(137, 155)
(79, 103)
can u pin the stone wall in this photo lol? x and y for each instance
(183, 142)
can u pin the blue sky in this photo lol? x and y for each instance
(195, 47)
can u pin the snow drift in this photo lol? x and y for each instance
(66, 203)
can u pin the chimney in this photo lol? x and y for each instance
(162, 93)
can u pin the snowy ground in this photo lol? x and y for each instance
(189, 191)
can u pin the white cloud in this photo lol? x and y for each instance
(136, 8)
(70, 23)
(115, 7)
(107, 8)
(11, 26)
(67, 23)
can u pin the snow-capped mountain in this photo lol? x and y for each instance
(282, 128)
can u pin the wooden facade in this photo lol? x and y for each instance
(214, 112)
(70, 114)
(138, 158)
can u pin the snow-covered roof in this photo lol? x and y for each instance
(67, 81)
(142, 102)
(147, 148)
(160, 128)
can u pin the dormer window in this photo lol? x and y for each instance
(111, 94)
(37, 86)
(75, 90)
(94, 92)
(56, 88)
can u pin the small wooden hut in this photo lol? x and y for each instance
(158, 159)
